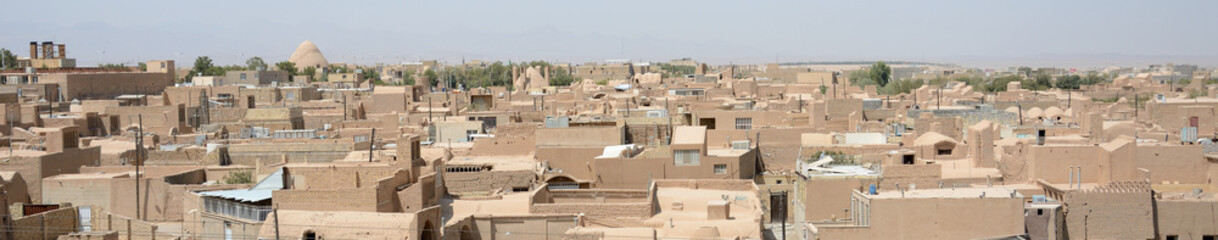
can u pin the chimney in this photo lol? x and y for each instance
(48, 48)
(63, 53)
(33, 50)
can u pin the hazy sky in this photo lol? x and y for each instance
(971, 33)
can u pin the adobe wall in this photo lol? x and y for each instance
(46, 225)
(593, 196)
(361, 200)
(580, 136)
(923, 175)
(936, 218)
(1183, 163)
(156, 200)
(824, 198)
(634, 173)
(34, 168)
(79, 192)
(609, 210)
(386, 191)
(1052, 162)
(547, 227)
(156, 119)
(486, 181)
(212, 225)
(420, 195)
(1173, 116)
(574, 161)
(86, 86)
(1108, 214)
(338, 177)
(1186, 219)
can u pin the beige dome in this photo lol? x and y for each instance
(307, 55)
(1053, 112)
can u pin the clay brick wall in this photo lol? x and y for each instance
(1110, 213)
(127, 228)
(580, 136)
(924, 176)
(363, 199)
(47, 225)
(638, 210)
(458, 182)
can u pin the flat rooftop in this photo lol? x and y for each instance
(957, 193)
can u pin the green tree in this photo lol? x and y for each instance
(408, 78)
(1040, 82)
(1000, 84)
(1069, 82)
(239, 177)
(203, 65)
(561, 78)
(1025, 71)
(1092, 79)
(431, 76)
(901, 86)
(881, 73)
(143, 66)
(860, 78)
(287, 66)
(255, 63)
(311, 72)
(7, 60)
(112, 66)
(371, 73)
(938, 81)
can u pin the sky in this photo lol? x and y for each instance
(987, 34)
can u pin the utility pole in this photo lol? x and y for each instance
(139, 145)
(784, 215)
(276, 212)
(1020, 114)
(371, 144)
(669, 115)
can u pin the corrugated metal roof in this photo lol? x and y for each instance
(261, 191)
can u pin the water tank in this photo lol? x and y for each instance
(871, 190)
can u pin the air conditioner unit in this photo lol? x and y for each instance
(740, 145)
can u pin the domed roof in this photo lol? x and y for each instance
(1014, 110)
(1035, 112)
(307, 55)
(1053, 112)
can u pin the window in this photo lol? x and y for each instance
(744, 123)
(944, 152)
(162, 64)
(720, 168)
(1040, 212)
(708, 122)
(290, 96)
(469, 135)
(686, 157)
(1208, 237)
(1173, 237)
(242, 76)
(228, 230)
(907, 159)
